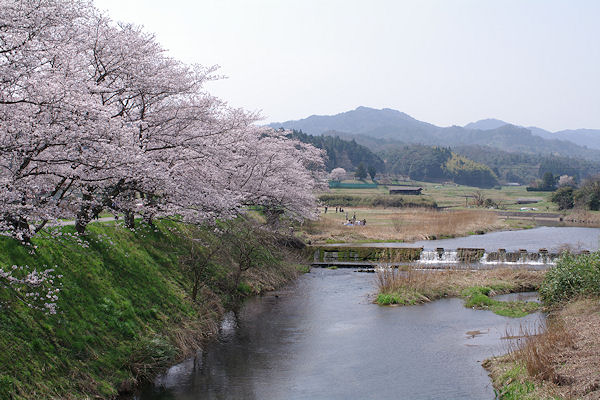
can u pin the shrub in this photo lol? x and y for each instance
(588, 196)
(349, 200)
(563, 197)
(573, 275)
(150, 356)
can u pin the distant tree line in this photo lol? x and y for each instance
(426, 163)
(525, 168)
(342, 153)
(480, 166)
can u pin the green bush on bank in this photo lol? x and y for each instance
(572, 276)
(349, 200)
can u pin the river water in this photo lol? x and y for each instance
(323, 338)
(550, 238)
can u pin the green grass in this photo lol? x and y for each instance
(118, 294)
(124, 310)
(350, 199)
(519, 387)
(478, 297)
(303, 268)
(405, 298)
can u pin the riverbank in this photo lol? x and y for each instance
(560, 362)
(126, 307)
(477, 287)
(562, 359)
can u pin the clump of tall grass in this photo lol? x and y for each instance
(537, 347)
(572, 276)
(409, 284)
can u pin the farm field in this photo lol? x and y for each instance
(416, 217)
(460, 196)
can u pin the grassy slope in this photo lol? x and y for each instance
(121, 302)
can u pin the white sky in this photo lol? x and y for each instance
(528, 62)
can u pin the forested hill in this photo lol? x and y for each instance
(524, 168)
(371, 126)
(430, 163)
(480, 165)
(342, 153)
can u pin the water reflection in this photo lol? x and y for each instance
(324, 339)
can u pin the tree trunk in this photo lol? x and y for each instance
(20, 224)
(129, 218)
(148, 218)
(272, 216)
(195, 290)
(83, 215)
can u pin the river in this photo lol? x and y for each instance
(550, 238)
(323, 338)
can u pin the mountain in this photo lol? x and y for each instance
(486, 124)
(376, 128)
(361, 120)
(589, 138)
(583, 137)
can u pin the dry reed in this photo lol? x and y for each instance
(428, 224)
(402, 225)
(583, 217)
(434, 284)
(563, 357)
(537, 347)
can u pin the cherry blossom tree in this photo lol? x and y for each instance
(337, 174)
(95, 115)
(566, 180)
(52, 136)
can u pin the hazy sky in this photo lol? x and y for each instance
(448, 62)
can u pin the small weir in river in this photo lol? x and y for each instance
(350, 257)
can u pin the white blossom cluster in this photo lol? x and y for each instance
(36, 289)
